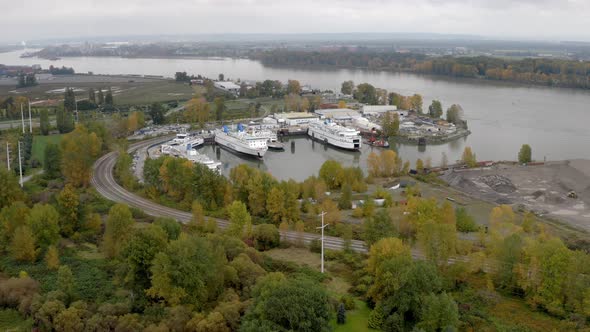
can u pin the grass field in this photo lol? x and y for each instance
(11, 320)
(356, 320)
(39, 144)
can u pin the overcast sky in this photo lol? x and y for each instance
(529, 19)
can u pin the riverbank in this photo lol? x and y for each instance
(432, 140)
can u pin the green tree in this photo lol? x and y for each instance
(11, 191)
(187, 272)
(438, 241)
(455, 114)
(68, 204)
(366, 93)
(44, 222)
(347, 87)
(157, 113)
(52, 163)
(524, 155)
(266, 236)
(118, 228)
(23, 244)
(341, 316)
(170, 226)
(44, 122)
(100, 97)
(66, 282)
(435, 109)
(69, 100)
(288, 305)
(465, 222)
(378, 227)
(439, 313)
(108, 98)
(238, 218)
(345, 201)
(330, 172)
(219, 108)
(138, 253)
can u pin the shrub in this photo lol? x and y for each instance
(266, 236)
(465, 222)
(348, 302)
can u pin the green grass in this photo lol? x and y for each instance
(356, 320)
(12, 320)
(39, 144)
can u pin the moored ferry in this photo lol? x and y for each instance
(251, 142)
(335, 135)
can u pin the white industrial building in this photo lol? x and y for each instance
(227, 86)
(295, 118)
(382, 109)
(338, 114)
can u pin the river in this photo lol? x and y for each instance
(501, 116)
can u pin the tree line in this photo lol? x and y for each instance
(552, 72)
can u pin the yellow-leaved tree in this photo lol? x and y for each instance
(80, 148)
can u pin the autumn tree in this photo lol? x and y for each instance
(416, 103)
(332, 213)
(293, 86)
(345, 200)
(23, 245)
(66, 282)
(374, 164)
(468, 157)
(79, 151)
(197, 111)
(68, 204)
(524, 155)
(118, 228)
(275, 205)
(52, 258)
(419, 165)
(238, 218)
(330, 173)
(390, 124)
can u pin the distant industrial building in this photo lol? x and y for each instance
(227, 86)
(338, 114)
(381, 109)
(295, 118)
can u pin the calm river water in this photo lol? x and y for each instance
(501, 117)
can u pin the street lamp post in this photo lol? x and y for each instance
(322, 228)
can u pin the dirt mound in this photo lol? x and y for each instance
(499, 183)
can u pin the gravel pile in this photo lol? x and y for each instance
(499, 183)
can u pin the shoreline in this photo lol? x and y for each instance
(432, 140)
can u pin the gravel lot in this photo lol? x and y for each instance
(543, 189)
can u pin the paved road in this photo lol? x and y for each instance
(104, 182)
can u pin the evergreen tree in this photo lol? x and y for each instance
(52, 163)
(44, 122)
(69, 100)
(341, 317)
(157, 113)
(100, 97)
(108, 99)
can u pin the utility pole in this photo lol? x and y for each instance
(76, 103)
(30, 118)
(322, 228)
(22, 116)
(20, 167)
(8, 155)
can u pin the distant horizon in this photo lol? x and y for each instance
(288, 36)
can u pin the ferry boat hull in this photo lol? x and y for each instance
(321, 136)
(233, 144)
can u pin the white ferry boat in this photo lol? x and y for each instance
(186, 151)
(251, 143)
(185, 138)
(335, 135)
